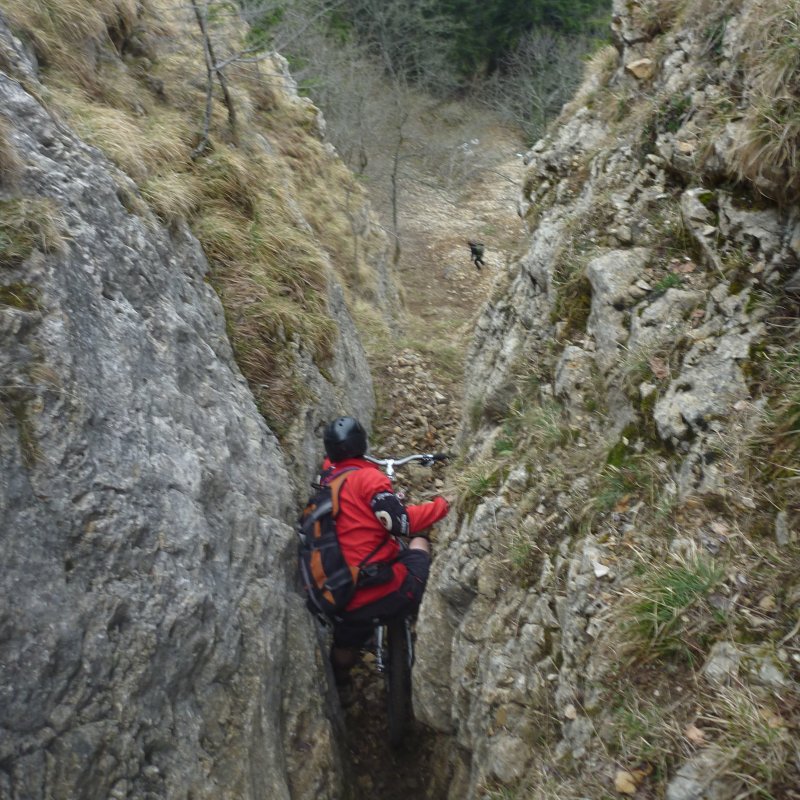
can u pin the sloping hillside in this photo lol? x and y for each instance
(615, 611)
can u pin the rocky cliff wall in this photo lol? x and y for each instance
(614, 610)
(152, 643)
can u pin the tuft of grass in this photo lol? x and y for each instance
(543, 425)
(475, 481)
(643, 731)
(10, 161)
(66, 35)
(138, 145)
(768, 150)
(598, 72)
(758, 749)
(670, 281)
(573, 291)
(530, 424)
(664, 615)
(173, 195)
(27, 225)
(14, 412)
(629, 478)
(655, 16)
(776, 449)
(20, 296)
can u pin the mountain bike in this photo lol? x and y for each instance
(394, 636)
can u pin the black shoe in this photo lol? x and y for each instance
(343, 659)
(342, 677)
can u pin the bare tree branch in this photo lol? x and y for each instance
(211, 67)
(203, 143)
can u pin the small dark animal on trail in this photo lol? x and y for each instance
(476, 254)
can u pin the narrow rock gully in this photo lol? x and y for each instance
(419, 389)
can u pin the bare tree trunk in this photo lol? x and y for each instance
(354, 228)
(395, 184)
(211, 69)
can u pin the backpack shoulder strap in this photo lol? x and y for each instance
(335, 482)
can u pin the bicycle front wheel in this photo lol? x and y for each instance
(398, 681)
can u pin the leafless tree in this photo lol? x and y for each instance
(213, 70)
(537, 78)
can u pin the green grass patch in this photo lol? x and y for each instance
(476, 481)
(20, 295)
(670, 281)
(666, 615)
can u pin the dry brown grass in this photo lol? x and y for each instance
(67, 35)
(173, 195)
(768, 153)
(138, 144)
(27, 225)
(597, 73)
(753, 730)
(10, 161)
(655, 16)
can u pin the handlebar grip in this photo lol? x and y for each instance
(441, 456)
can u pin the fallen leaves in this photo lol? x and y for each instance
(768, 603)
(623, 504)
(695, 735)
(628, 781)
(624, 782)
(659, 367)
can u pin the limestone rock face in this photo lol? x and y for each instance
(345, 388)
(614, 377)
(612, 276)
(153, 644)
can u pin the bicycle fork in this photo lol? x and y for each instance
(380, 651)
(380, 632)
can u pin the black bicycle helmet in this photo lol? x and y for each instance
(344, 437)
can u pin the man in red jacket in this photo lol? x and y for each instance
(370, 516)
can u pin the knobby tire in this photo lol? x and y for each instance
(398, 682)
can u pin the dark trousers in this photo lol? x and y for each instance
(355, 627)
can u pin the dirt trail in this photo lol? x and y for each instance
(420, 394)
(443, 290)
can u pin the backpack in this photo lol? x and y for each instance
(330, 582)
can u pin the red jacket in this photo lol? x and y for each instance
(359, 530)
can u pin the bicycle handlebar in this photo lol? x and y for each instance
(426, 459)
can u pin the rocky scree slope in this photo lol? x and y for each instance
(151, 641)
(615, 611)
